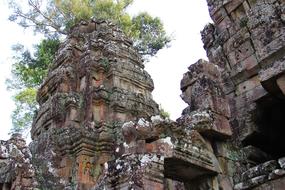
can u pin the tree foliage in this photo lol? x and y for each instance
(54, 19)
(29, 69)
(26, 106)
(28, 72)
(149, 33)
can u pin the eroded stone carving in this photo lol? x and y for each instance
(252, 43)
(16, 171)
(97, 83)
(98, 127)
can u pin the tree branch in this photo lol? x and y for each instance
(50, 21)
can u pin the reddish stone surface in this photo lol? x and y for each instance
(98, 128)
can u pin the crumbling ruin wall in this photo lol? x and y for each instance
(16, 170)
(164, 154)
(247, 42)
(98, 127)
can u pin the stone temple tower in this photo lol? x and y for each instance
(96, 83)
(97, 126)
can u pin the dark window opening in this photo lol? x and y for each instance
(270, 123)
(184, 171)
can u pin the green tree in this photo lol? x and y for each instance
(54, 19)
(28, 72)
(149, 34)
(26, 106)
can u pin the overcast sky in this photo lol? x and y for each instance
(183, 19)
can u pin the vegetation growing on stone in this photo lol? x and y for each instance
(164, 114)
